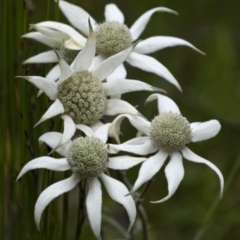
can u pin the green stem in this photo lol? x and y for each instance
(213, 207)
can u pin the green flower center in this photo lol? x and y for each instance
(112, 38)
(68, 54)
(83, 97)
(170, 132)
(87, 157)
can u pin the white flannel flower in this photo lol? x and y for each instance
(167, 134)
(112, 36)
(88, 159)
(81, 93)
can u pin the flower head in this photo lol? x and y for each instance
(168, 134)
(113, 36)
(81, 92)
(87, 158)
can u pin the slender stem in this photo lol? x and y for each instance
(214, 205)
(81, 210)
(143, 217)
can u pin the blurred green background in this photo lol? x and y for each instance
(211, 90)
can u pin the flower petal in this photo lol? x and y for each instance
(150, 64)
(55, 109)
(102, 132)
(96, 61)
(120, 86)
(51, 42)
(149, 168)
(94, 205)
(138, 122)
(140, 24)
(49, 32)
(66, 70)
(117, 106)
(174, 173)
(52, 139)
(108, 66)
(77, 16)
(60, 30)
(69, 130)
(52, 192)
(119, 73)
(191, 156)
(96, 125)
(117, 191)
(113, 13)
(85, 57)
(144, 146)
(45, 57)
(47, 163)
(48, 86)
(157, 43)
(87, 130)
(205, 130)
(165, 104)
(54, 73)
(124, 162)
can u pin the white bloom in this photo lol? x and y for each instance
(112, 36)
(168, 134)
(81, 93)
(87, 158)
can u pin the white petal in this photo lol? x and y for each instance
(96, 61)
(124, 162)
(48, 86)
(113, 13)
(66, 70)
(108, 66)
(71, 44)
(94, 205)
(157, 43)
(52, 139)
(119, 73)
(45, 57)
(143, 148)
(51, 42)
(54, 73)
(47, 163)
(150, 64)
(140, 24)
(102, 132)
(96, 125)
(149, 168)
(138, 122)
(87, 130)
(55, 109)
(117, 106)
(52, 192)
(205, 130)
(191, 156)
(66, 29)
(165, 104)
(174, 173)
(117, 191)
(49, 32)
(85, 57)
(77, 16)
(120, 86)
(69, 130)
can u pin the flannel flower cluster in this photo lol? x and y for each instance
(85, 86)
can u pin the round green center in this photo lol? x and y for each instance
(83, 97)
(170, 132)
(112, 38)
(68, 54)
(87, 157)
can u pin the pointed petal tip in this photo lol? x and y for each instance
(90, 27)
(156, 89)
